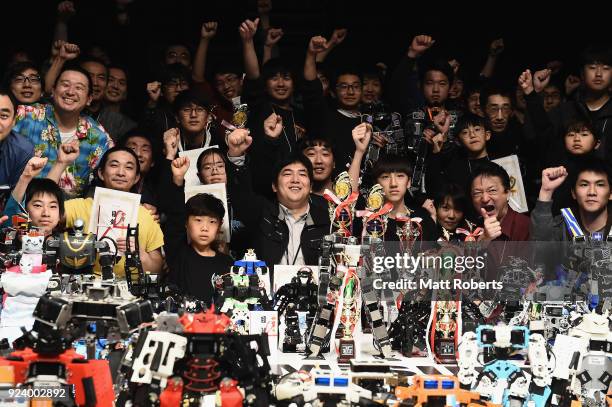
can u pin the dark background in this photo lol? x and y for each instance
(379, 30)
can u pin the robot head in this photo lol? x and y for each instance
(32, 243)
(304, 275)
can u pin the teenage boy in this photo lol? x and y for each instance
(590, 190)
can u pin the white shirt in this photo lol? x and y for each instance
(293, 255)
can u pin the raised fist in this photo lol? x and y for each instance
(67, 153)
(154, 91)
(65, 10)
(338, 36)
(34, 166)
(552, 178)
(238, 142)
(209, 30)
(248, 29)
(419, 45)
(317, 44)
(541, 79)
(179, 168)
(273, 36)
(362, 133)
(572, 82)
(273, 125)
(496, 47)
(69, 51)
(171, 142)
(525, 81)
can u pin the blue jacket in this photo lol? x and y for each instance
(15, 151)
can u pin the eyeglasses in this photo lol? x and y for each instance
(187, 111)
(343, 87)
(175, 84)
(33, 79)
(491, 192)
(219, 167)
(495, 109)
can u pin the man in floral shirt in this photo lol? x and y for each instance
(48, 126)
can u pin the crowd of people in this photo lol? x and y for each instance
(64, 130)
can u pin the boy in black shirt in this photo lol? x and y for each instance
(191, 250)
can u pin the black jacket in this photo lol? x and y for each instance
(269, 231)
(551, 127)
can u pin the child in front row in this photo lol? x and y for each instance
(191, 247)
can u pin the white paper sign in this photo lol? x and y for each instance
(112, 212)
(219, 192)
(266, 322)
(191, 177)
(518, 201)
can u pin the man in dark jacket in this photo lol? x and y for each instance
(290, 230)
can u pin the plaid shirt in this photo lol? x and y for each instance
(37, 123)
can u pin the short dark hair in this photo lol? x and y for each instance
(6, 92)
(345, 71)
(205, 205)
(276, 66)
(578, 125)
(38, 186)
(492, 90)
(188, 97)
(91, 58)
(121, 68)
(16, 69)
(175, 71)
(209, 152)
(225, 67)
(596, 54)
(372, 72)
(76, 68)
(440, 65)
(469, 119)
(293, 158)
(115, 149)
(391, 163)
(455, 193)
(314, 141)
(592, 164)
(491, 169)
(139, 132)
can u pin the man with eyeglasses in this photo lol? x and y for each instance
(24, 81)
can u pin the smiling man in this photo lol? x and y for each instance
(119, 169)
(290, 230)
(15, 151)
(48, 126)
